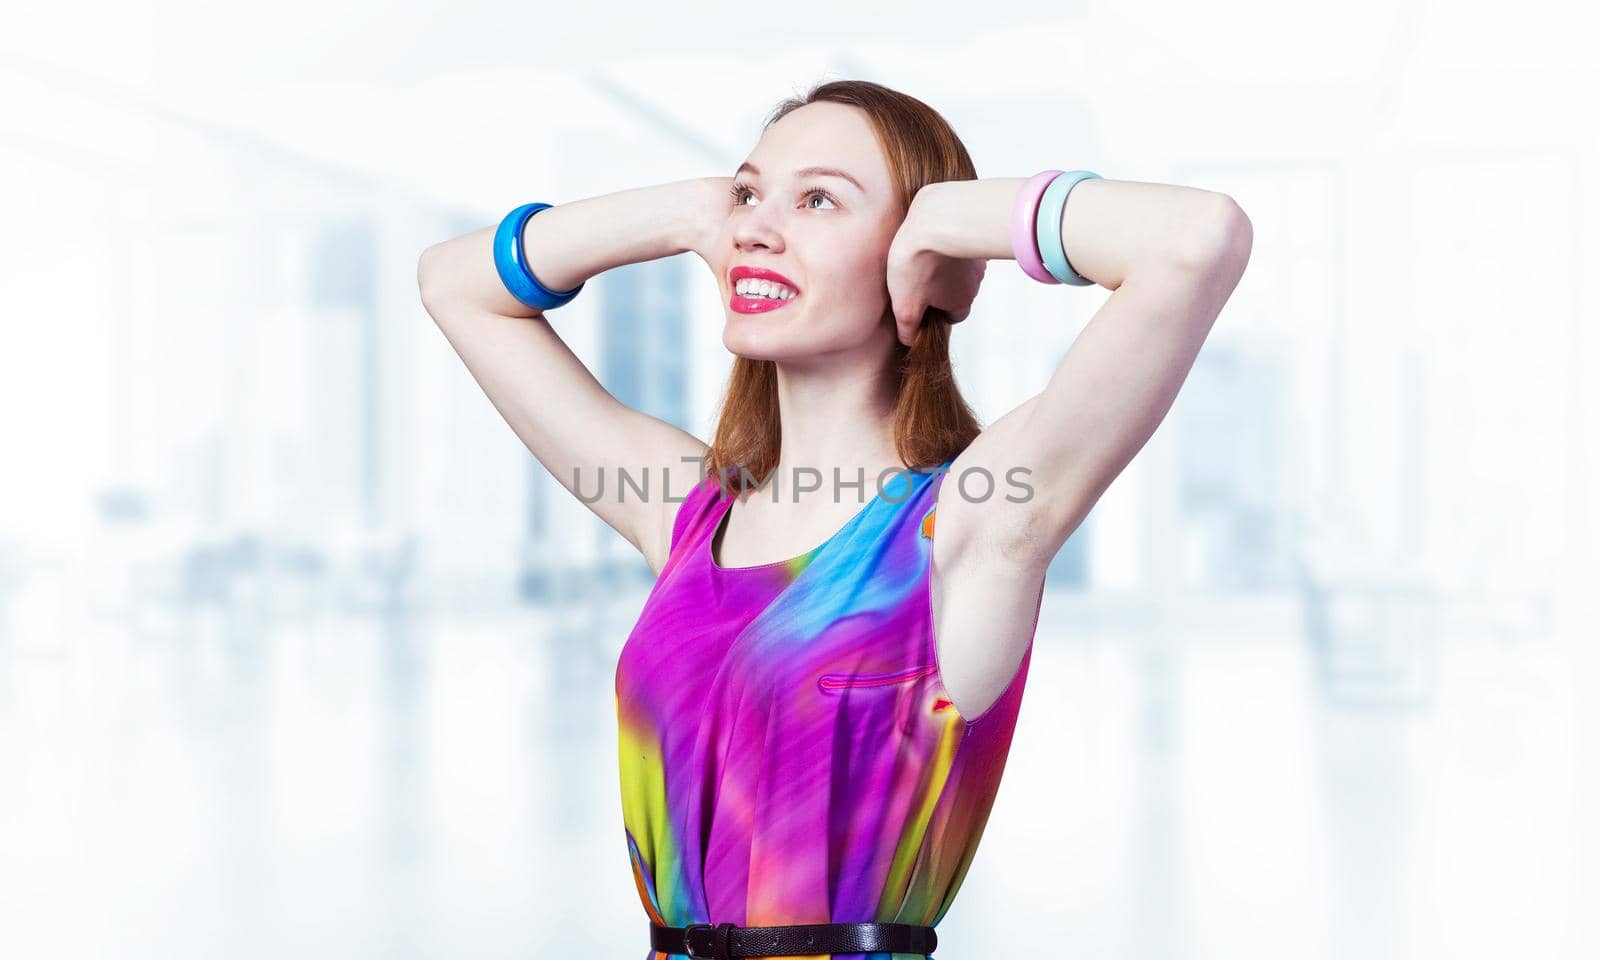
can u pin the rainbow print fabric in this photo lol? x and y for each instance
(787, 751)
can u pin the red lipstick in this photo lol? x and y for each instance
(759, 304)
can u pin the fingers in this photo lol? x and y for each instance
(908, 325)
(908, 331)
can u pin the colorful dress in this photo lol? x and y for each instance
(788, 753)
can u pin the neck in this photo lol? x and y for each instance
(837, 426)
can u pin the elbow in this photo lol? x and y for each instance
(1238, 235)
(1222, 236)
(428, 275)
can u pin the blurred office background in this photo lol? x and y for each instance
(302, 654)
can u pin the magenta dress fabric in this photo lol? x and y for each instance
(788, 753)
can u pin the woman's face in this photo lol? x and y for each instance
(827, 235)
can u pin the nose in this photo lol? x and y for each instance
(756, 228)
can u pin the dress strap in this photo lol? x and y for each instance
(692, 512)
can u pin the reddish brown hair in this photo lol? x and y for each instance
(932, 421)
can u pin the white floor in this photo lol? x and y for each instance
(1204, 782)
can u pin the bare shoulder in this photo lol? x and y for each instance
(983, 504)
(985, 592)
(679, 475)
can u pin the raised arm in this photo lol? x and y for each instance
(1172, 255)
(553, 403)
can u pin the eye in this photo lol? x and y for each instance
(741, 192)
(818, 192)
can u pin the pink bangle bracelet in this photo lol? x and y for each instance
(1024, 237)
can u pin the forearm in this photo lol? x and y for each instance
(568, 243)
(1107, 226)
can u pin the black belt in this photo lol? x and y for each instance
(724, 940)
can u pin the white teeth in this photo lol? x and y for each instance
(763, 288)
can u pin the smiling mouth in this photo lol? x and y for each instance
(743, 304)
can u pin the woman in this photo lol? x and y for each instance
(804, 769)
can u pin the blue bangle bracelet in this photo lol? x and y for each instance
(512, 265)
(1047, 226)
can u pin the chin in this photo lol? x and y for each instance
(759, 336)
(766, 344)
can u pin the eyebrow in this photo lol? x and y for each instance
(808, 172)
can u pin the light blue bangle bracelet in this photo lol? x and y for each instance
(512, 265)
(1047, 226)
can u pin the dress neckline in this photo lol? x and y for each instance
(722, 519)
(911, 479)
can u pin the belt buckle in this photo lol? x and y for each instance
(710, 943)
